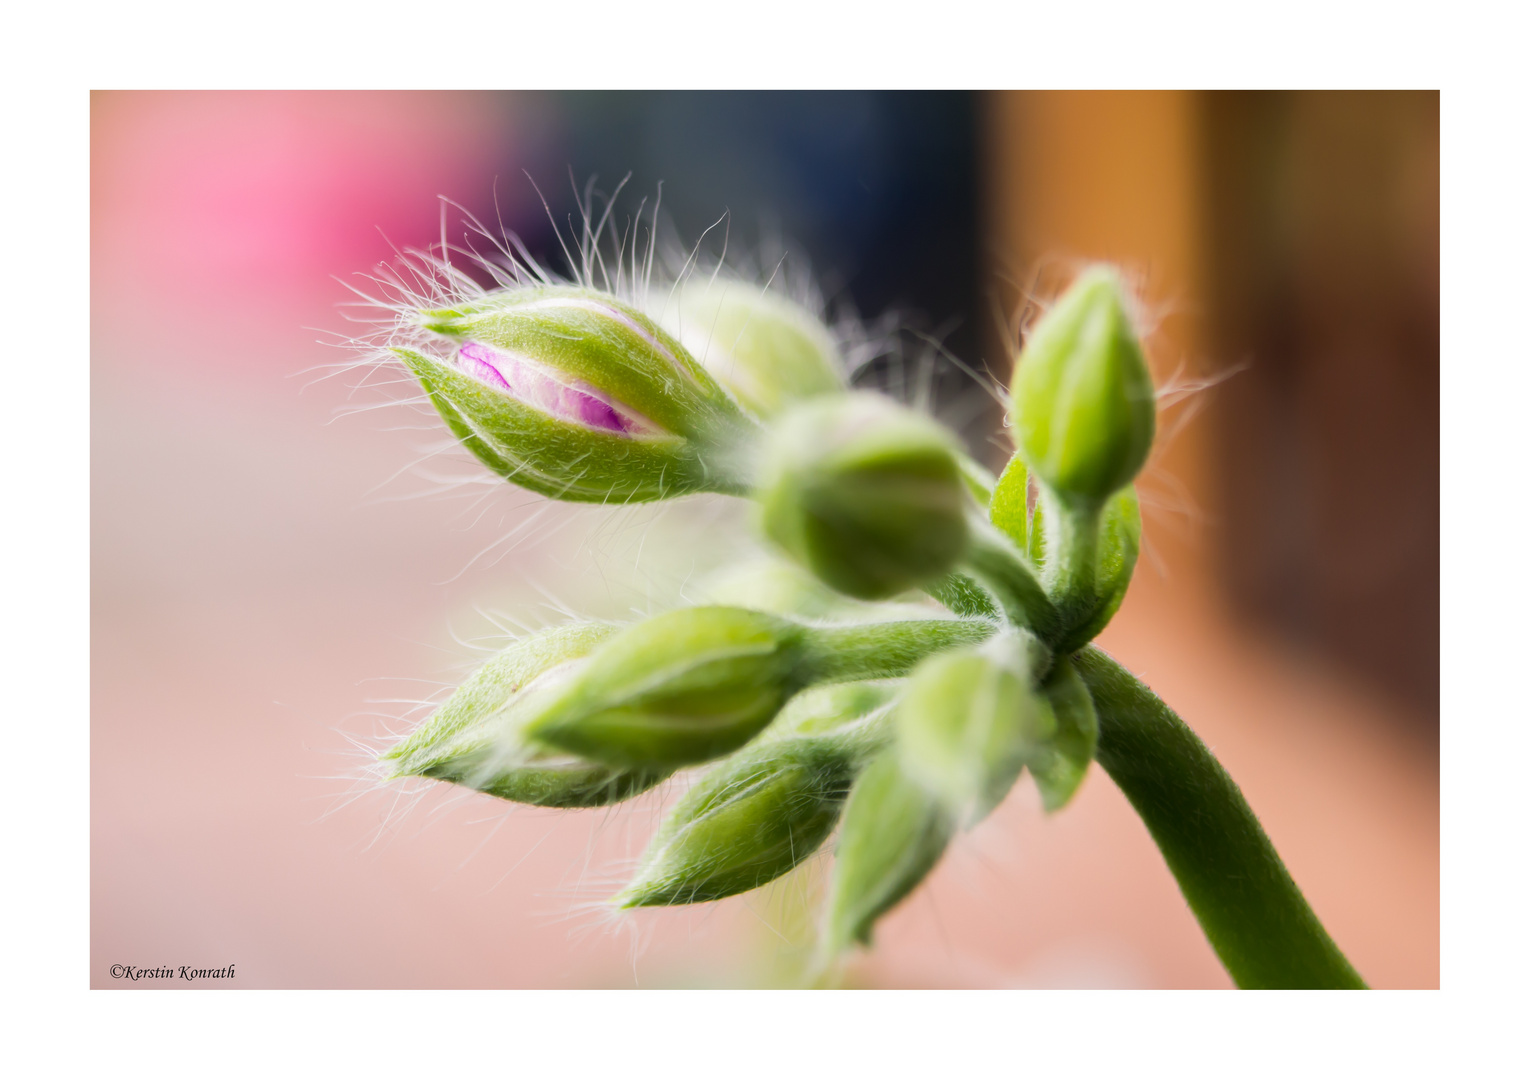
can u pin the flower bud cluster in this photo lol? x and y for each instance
(814, 702)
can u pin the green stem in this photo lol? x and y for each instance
(883, 650)
(1073, 535)
(1252, 912)
(994, 560)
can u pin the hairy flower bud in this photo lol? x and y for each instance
(749, 820)
(691, 685)
(768, 350)
(867, 494)
(573, 394)
(894, 832)
(1062, 760)
(1083, 407)
(474, 739)
(969, 721)
(680, 688)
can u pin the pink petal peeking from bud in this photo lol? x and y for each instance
(566, 399)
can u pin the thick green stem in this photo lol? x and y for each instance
(883, 650)
(1251, 910)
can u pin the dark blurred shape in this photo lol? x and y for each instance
(1323, 276)
(877, 190)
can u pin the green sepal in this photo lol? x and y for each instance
(554, 457)
(1008, 509)
(474, 738)
(1060, 764)
(893, 834)
(1120, 539)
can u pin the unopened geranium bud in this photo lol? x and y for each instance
(837, 708)
(1062, 760)
(768, 350)
(969, 721)
(893, 834)
(680, 688)
(1082, 398)
(573, 394)
(691, 685)
(474, 739)
(749, 820)
(864, 492)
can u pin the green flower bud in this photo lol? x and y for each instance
(748, 821)
(969, 721)
(692, 685)
(867, 494)
(474, 738)
(1083, 407)
(680, 688)
(572, 394)
(768, 350)
(821, 710)
(894, 832)
(1061, 762)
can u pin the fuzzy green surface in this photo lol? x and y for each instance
(1113, 550)
(967, 724)
(475, 740)
(893, 834)
(883, 650)
(1063, 759)
(1009, 508)
(1083, 405)
(749, 820)
(558, 458)
(683, 687)
(492, 689)
(768, 350)
(1255, 917)
(867, 494)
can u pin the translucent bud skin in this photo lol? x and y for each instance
(893, 834)
(865, 493)
(749, 820)
(473, 739)
(1063, 760)
(969, 722)
(683, 687)
(1082, 399)
(769, 351)
(574, 395)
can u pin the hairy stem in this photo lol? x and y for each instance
(1072, 542)
(993, 559)
(1255, 917)
(884, 650)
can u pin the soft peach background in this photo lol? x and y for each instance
(266, 594)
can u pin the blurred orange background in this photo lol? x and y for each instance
(276, 577)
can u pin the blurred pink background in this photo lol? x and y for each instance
(270, 581)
